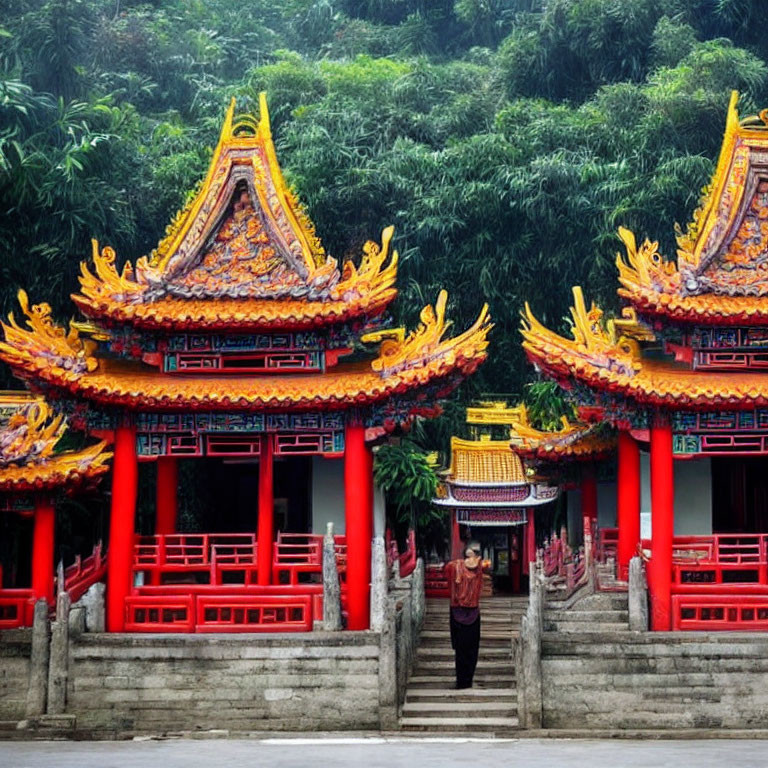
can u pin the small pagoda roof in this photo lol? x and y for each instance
(484, 461)
(241, 255)
(574, 441)
(721, 274)
(63, 363)
(29, 432)
(602, 358)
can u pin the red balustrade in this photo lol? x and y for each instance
(408, 558)
(155, 613)
(79, 576)
(732, 562)
(17, 608)
(260, 613)
(606, 544)
(720, 612)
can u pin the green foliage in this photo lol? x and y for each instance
(547, 406)
(404, 474)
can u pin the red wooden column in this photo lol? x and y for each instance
(589, 491)
(266, 525)
(456, 541)
(358, 514)
(662, 527)
(628, 501)
(530, 540)
(42, 549)
(125, 475)
(166, 504)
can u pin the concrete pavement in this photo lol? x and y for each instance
(377, 752)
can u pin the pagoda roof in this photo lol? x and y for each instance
(603, 359)
(721, 274)
(576, 441)
(29, 432)
(485, 462)
(242, 254)
(63, 363)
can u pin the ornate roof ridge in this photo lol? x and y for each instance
(243, 235)
(723, 254)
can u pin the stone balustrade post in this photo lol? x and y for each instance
(331, 586)
(37, 691)
(638, 596)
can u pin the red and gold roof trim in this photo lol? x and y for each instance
(47, 355)
(587, 359)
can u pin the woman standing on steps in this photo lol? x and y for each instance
(466, 581)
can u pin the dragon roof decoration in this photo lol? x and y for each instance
(29, 432)
(241, 248)
(576, 441)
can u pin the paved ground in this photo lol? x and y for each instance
(384, 753)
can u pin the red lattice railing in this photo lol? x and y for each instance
(722, 563)
(720, 612)
(16, 608)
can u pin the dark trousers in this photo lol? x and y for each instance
(465, 641)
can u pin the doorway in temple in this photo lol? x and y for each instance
(502, 546)
(739, 494)
(228, 493)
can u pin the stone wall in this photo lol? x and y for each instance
(156, 683)
(15, 651)
(654, 680)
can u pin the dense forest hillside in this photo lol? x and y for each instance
(506, 140)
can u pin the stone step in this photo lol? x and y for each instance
(486, 652)
(462, 724)
(420, 681)
(417, 693)
(585, 628)
(574, 614)
(468, 709)
(483, 666)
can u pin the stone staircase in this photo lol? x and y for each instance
(599, 612)
(432, 704)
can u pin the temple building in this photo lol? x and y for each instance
(33, 474)
(681, 375)
(241, 347)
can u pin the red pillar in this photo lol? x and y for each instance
(42, 549)
(266, 525)
(588, 491)
(358, 514)
(530, 539)
(125, 475)
(628, 501)
(662, 527)
(456, 542)
(166, 505)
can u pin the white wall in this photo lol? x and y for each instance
(328, 498)
(327, 494)
(693, 496)
(606, 510)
